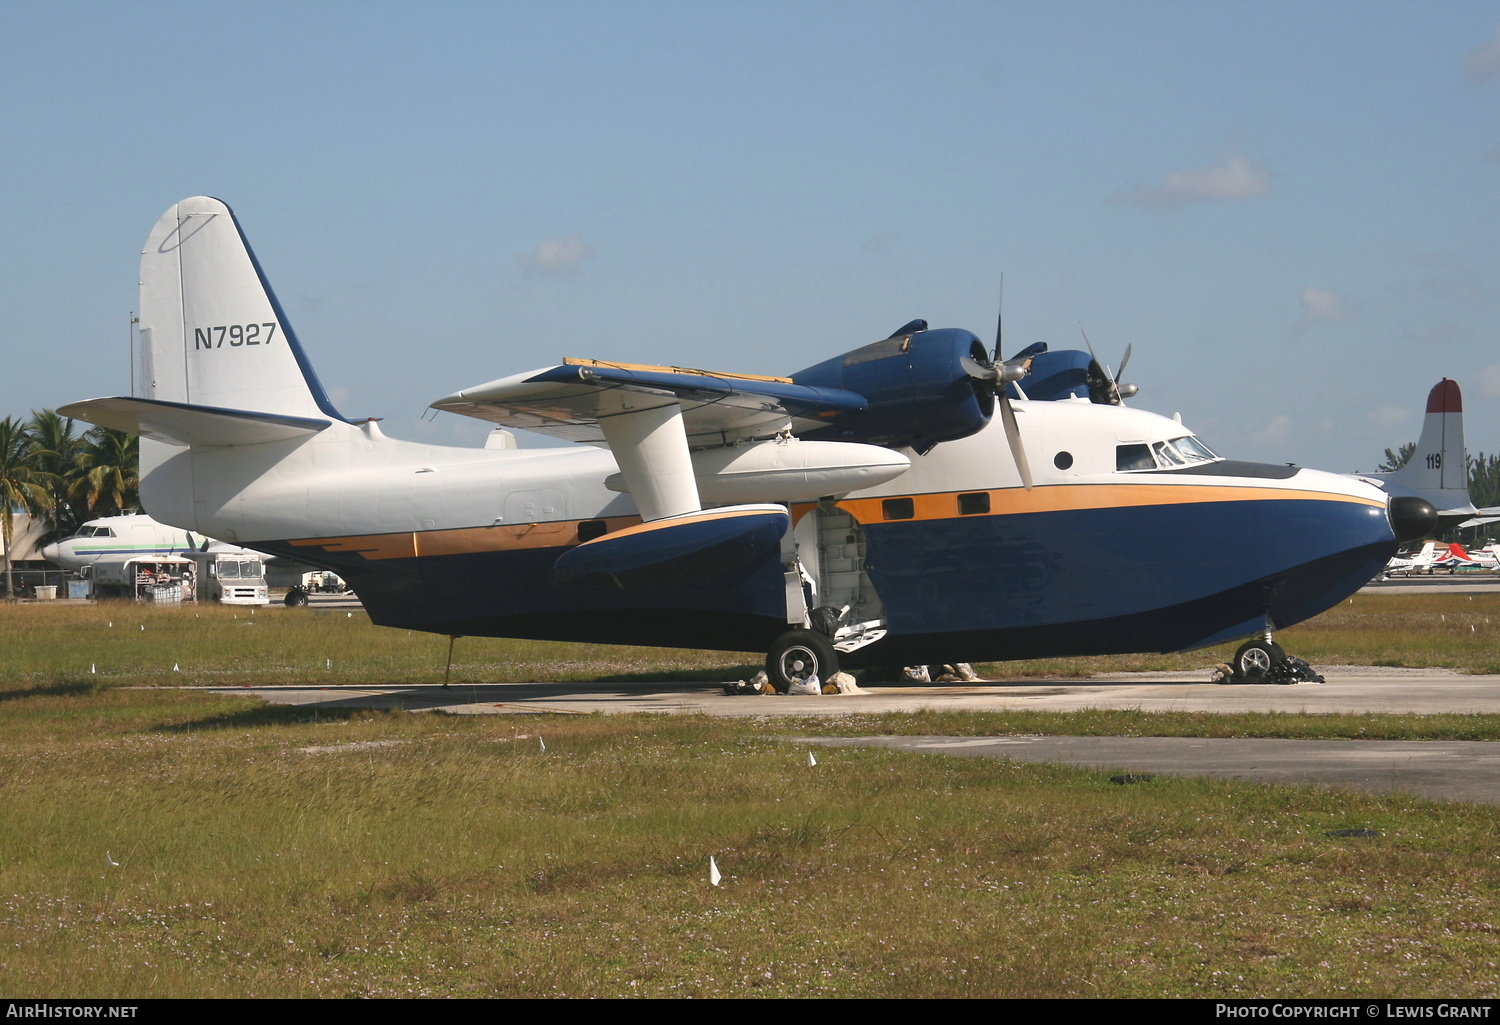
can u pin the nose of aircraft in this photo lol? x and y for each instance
(49, 552)
(1412, 517)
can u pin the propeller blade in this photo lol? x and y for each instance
(1112, 391)
(1013, 435)
(979, 371)
(1000, 319)
(1088, 344)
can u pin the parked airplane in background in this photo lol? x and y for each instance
(117, 537)
(1415, 562)
(139, 536)
(1435, 556)
(871, 507)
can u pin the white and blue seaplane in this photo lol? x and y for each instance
(914, 500)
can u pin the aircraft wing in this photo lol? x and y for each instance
(567, 401)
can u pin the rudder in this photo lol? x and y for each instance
(212, 331)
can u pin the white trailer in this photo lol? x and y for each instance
(162, 579)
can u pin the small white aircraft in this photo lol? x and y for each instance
(137, 536)
(113, 537)
(871, 508)
(1415, 562)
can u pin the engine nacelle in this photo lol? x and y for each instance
(918, 390)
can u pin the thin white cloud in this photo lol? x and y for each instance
(1483, 62)
(1450, 279)
(1389, 417)
(1275, 433)
(1489, 381)
(1321, 304)
(1236, 177)
(557, 257)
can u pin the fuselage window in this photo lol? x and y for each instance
(1063, 460)
(1134, 457)
(974, 502)
(590, 529)
(898, 508)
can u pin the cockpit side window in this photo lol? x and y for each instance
(1134, 457)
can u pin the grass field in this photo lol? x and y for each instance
(264, 852)
(213, 644)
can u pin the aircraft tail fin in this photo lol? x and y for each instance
(1438, 469)
(212, 332)
(1457, 551)
(1438, 464)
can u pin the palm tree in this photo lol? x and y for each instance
(107, 477)
(54, 450)
(23, 488)
(1395, 460)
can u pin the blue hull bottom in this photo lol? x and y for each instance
(1233, 614)
(940, 609)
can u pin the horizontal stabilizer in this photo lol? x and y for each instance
(178, 423)
(568, 401)
(717, 546)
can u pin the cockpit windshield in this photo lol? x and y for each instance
(1163, 455)
(1192, 450)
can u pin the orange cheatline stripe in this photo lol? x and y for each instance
(703, 517)
(462, 540)
(1067, 497)
(935, 506)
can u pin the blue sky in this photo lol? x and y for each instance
(1290, 210)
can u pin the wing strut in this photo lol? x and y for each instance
(650, 446)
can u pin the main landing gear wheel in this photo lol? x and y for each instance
(1256, 659)
(295, 597)
(799, 655)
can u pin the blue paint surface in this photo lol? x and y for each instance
(1150, 578)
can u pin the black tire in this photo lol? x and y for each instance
(798, 655)
(1255, 659)
(294, 598)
